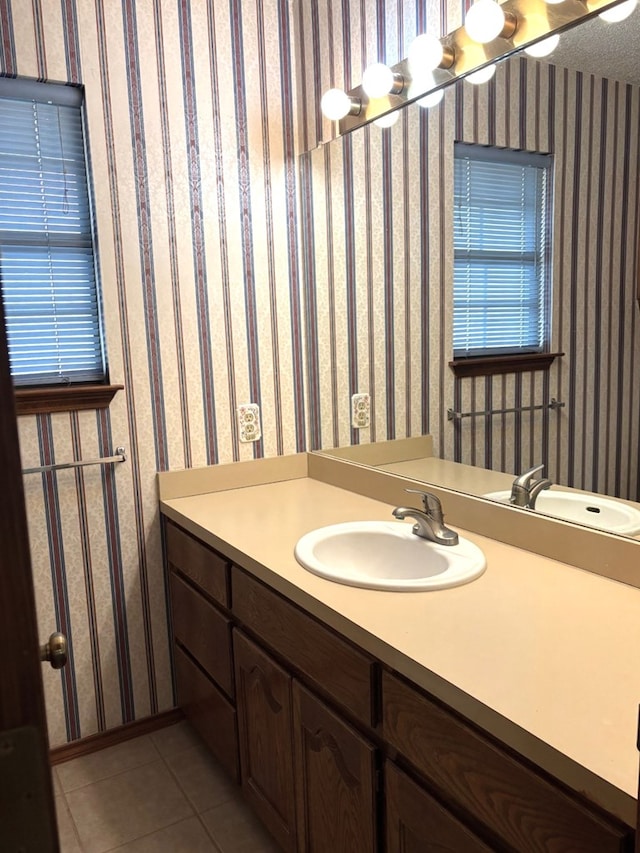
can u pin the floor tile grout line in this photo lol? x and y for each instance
(160, 759)
(235, 795)
(76, 832)
(194, 743)
(148, 736)
(147, 834)
(217, 847)
(113, 775)
(188, 798)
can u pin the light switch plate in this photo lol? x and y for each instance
(249, 422)
(360, 411)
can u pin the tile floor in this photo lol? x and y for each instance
(160, 793)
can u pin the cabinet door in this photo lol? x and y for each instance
(416, 823)
(263, 693)
(335, 781)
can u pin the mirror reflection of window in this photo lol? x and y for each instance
(502, 244)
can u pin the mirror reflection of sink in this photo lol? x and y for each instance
(387, 555)
(592, 510)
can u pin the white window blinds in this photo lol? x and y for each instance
(502, 251)
(47, 265)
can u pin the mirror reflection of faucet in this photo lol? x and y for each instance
(525, 488)
(429, 520)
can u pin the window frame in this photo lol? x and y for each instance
(519, 360)
(88, 393)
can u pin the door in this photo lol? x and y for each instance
(263, 691)
(335, 780)
(27, 815)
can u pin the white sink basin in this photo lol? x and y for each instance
(387, 555)
(592, 510)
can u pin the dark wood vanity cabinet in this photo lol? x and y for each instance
(417, 823)
(198, 584)
(325, 798)
(337, 754)
(209, 711)
(335, 780)
(265, 726)
(514, 804)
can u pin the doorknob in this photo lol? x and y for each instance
(55, 651)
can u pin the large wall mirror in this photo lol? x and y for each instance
(379, 257)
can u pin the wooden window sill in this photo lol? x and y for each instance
(66, 398)
(490, 365)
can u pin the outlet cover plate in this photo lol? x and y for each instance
(360, 411)
(249, 422)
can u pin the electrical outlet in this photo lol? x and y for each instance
(360, 411)
(249, 422)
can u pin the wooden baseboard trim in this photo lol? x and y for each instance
(101, 740)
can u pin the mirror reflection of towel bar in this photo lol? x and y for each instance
(58, 466)
(454, 416)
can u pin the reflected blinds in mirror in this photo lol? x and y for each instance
(502, 261)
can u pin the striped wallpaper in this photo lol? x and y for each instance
(377, 222)
(206, 222)
(192, 125)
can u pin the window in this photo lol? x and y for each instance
(502, 275)
(47, 258)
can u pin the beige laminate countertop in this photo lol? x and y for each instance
(451, 475)
(540, 654)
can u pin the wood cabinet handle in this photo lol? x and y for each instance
(319, 740)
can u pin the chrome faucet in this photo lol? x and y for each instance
(525, 488)
(429, 521)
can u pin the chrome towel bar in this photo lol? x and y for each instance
(120, 456)
(454, 416)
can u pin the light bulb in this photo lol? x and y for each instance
(484, 21)
(431, 100)
(544, 47)
(618, 13)
(335, 104)
(388, 119)
(424, 83)
(481, 76)
(377, 80)
(425, 54)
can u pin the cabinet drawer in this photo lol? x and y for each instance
(336, 667)
(416, 823)
(523, 809)
(209, 712)
(203, 566)
(204, 632)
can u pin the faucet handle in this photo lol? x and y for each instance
(526, 478)
(430, 502)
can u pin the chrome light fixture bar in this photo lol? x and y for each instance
(528, 22)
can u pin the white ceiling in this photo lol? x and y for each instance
(608, 50)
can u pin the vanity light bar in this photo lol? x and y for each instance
(462, 55)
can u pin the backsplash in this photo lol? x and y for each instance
(378, 220)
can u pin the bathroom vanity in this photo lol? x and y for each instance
(359, 720)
